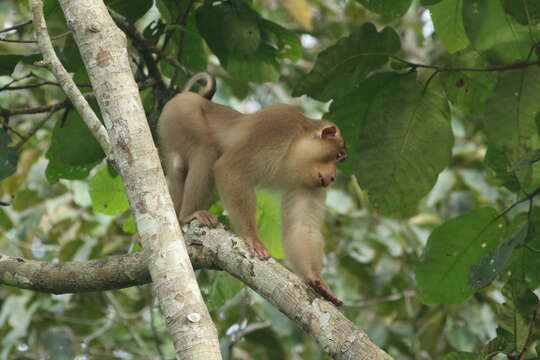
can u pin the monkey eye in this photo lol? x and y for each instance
(341, 156)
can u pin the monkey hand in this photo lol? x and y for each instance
(322, 289)
(204, 217)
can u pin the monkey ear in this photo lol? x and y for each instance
(328, 132)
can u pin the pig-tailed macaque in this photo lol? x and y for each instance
(277, 148)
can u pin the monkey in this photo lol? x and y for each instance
(204, 143)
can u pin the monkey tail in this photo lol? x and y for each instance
(209, 88)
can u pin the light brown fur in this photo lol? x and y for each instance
(277, 147)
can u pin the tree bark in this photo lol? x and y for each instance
(219, 249)
(103, 49)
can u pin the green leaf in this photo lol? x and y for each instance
(258, 68)
(341, 67)
(224, 288)
(285, 41)
(232, 30)
(491, 31)
(8, 62)
(460, 355)
(510, 121)
(448, 22)
(8, 156)
(524, 11)
(429, 2)
(400, 141)
(500, 344)
(57, 170)
(107, 192)
(129, 225)
(468, 90)
(451, 250)
(72, 142)
(498, 161)
(57, 342)
(491, 265)
(240, 29)
(5, 221)
(269, 222)
(132, 10)
(388, 9)
(515, 314)
(526, 260)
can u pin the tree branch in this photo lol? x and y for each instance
(214, 249)
(56, 37)
(16, 26)
(65, 80)
(439, 68)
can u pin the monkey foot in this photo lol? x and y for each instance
(259, 250)
(204, 217)
(322, 289)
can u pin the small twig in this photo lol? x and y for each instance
(34, 41)
(530, 337)
(15, 80)
(35, 129)
(183, 22)
(145, 51)
(67, 83)
(5, 125)
(15, 27)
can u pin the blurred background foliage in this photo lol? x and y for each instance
(428, 243)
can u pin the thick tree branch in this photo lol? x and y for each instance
(65, 80)
(214, 249)
(103, 48)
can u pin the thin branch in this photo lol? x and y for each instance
(36, 127)
(439, 68)
(6, 126)
(15, 27)
(67, 83)
(34, 41)
(144, 50)
(144, 84)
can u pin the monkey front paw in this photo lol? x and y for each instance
(322, 289)
(204, 217)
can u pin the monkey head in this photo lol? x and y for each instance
(317, 154)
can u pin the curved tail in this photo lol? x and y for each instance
(209, 88)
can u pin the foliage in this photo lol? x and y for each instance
(433, 243)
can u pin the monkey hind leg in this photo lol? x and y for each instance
(198, 187)
(175, 173)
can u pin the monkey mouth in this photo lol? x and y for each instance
(322, 182)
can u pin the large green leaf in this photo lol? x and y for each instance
(448, 21)
(388, 9)
(492, 31)
(401, 139)
(73, 143)
(510, 117)
(8, 156)
(57, 170)
(452, 248)
(341, 67)
(285, 41)
(524, 11)
(491, 265)
(468, 91)
(107, 192)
